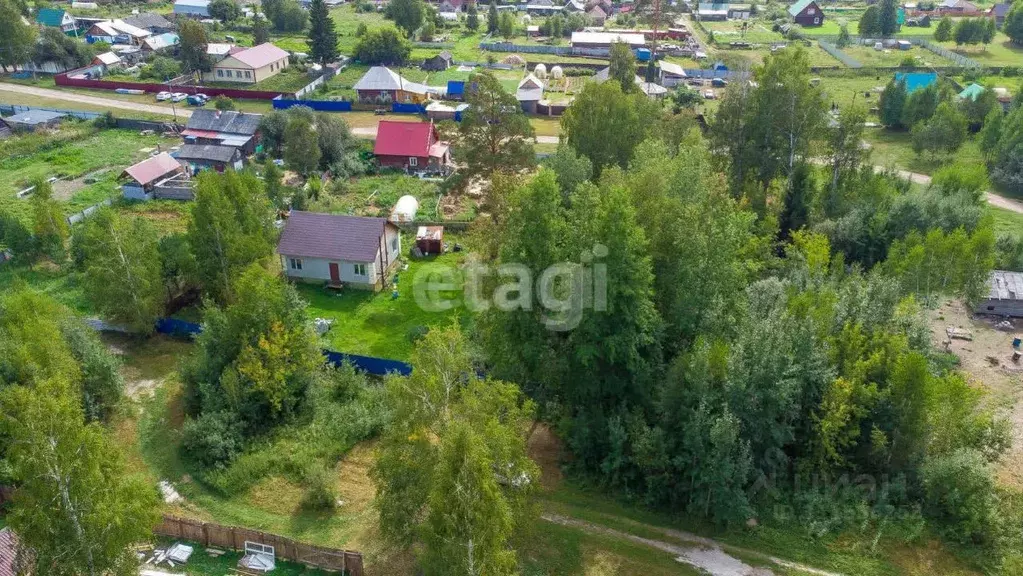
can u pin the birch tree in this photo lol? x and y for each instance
(76, 511)
(122, 269)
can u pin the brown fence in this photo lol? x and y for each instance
(233, 538)
(65, 80)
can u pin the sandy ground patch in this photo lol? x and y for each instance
(547, 451)
(987, 359)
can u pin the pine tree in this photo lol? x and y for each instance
(322, 36)
(472, 19)
(492, 19)
(260, 30)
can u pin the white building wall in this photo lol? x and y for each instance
(319, 269)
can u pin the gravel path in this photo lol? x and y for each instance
(702, 553)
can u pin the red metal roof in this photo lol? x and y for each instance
(153, 168)
(199, 133)
(404, 138)
(8, 552)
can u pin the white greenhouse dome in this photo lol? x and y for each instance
(405, 210)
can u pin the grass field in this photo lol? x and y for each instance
(1001, 52)
(895, 149)
(109, 150)
(868, 56)
(1006, 221)
(375, 324)
(732, 31)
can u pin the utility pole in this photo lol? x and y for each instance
(650, 71)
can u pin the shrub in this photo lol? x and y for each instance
(223, 103)
(106, 120)
(959, 492)
(320, 492)
(213, 439)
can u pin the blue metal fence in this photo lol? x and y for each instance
(401, 108)
(368, 364)
(317, 105)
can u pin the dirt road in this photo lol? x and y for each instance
(72, 97)
(702, 553)
(371, 132)
(992, 198)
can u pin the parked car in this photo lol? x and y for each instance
(709, 95)
(178, 96)
(163, 96)
(197, 100)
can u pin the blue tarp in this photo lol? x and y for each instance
(916, 80)
(368, 364)
(456, 88)
(317, 105)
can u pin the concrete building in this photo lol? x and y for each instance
(249, 66)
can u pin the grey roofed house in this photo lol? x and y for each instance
(150, 21)
(332, 236)
(383, 78)
(649, 88)
(1005, 295)
(224, 121)
(207, 153)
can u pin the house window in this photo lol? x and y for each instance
(220, 73)
(816, 20)
(248, 74)
(295, 263)
(394, 243)
(360, 269)
(413, 161)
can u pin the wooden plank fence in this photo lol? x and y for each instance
(233, 538)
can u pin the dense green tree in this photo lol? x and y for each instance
(272, 127)
(605, 125)
(339, 149)
(570, 168)
(492, 18)
(472, 17)
(506, 25)
(178, 268)
(122, 269)
(19, 36)
(623, 66)
(960, 495)
(920, 105)
(230, 226)
(870, 24)
(225, 10)
(892, 104)
(943, 263)
(990, 30)
(991, 133)
(1007, 156)
(223, 103)
(945, 132)
(322, 36)
(452, 471)
(54, 46)
(888, 18)
(192, 46)
(763, 130)
(287, 16)
(843, 36)
(1013, 25)
(943, 32)
(256, 358)
(41, 340)
(260, 30)
(494, 134)
(384, 45)
(407, 15)
(76, 507)
(969, 31)
(17, 237)
(801, 194)
(48, 223)
(978, 108)
(846, 152)
(301, 145)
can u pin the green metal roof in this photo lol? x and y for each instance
(799, 6)
(971, 92)
(50, 17)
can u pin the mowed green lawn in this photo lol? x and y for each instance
(1001, 52)
(890, 148)
(1007, 221)
(375, 324)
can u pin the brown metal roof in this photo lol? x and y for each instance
(152, 168)
(332, 237)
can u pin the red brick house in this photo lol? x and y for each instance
(807, 13)
(411, 146)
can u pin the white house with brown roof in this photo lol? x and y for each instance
(339, 250)
(249, 66)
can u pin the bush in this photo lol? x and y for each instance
(366, 7)
(106, 120)
(320, 492)
(161, 68)
(223, 103)
(212, 440)
(417, 333)
(959, 493)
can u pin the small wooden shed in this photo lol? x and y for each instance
(430, 239)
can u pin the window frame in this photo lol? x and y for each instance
(359, 269)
